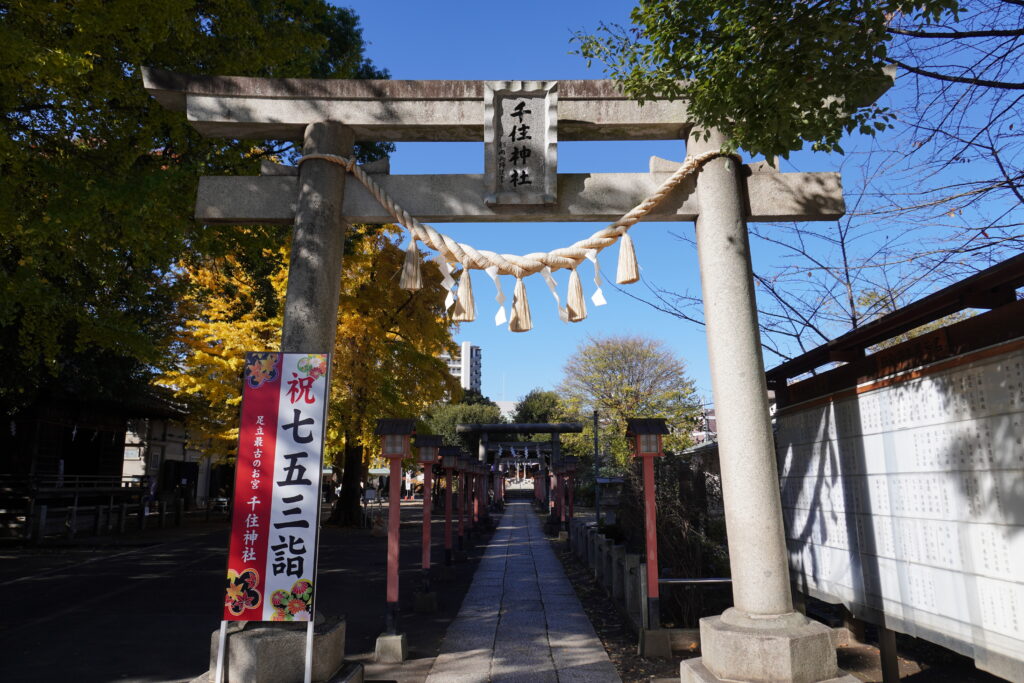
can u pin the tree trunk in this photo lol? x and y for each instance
(347, 509)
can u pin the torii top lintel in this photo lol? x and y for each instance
(397, 111)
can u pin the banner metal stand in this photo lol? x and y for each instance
(221, 647)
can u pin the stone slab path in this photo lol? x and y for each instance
(521, 620)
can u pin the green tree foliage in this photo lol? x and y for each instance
(539, 406)
(771, 74)
(625, 377)
(473, 397)
(99, 180)
(443, 417)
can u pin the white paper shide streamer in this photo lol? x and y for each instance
(499, 317)
(598, 296)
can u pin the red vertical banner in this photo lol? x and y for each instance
(275, 508)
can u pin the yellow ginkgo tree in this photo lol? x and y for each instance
(385, 361)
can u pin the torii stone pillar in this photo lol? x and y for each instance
(761, 638)
(318, 242)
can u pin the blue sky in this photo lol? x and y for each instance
(527, 40)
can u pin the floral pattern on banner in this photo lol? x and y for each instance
(293, 605)
(261, 368)
(241, 591)
(313, 366)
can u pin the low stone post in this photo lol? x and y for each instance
(761, 638)
(631, 583)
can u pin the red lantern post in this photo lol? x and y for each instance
(449, 458)
(464, 464)
(646, 435)
(426, 601)
(394, 446)
(428, 447)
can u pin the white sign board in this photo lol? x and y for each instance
(904, 500)
(521, 142)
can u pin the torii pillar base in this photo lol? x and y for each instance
(785, 649)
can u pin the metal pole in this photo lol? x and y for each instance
(597, 473)
(888, 655)
(308, 675)
(222, 641)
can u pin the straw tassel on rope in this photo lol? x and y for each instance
(628, 271)
(412, 277)
(465, 307)
(520, 320)
(574, 301)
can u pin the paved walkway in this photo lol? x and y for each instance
(521, 620)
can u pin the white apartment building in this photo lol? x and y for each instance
(465, 366)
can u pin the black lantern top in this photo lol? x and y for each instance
(647, 425)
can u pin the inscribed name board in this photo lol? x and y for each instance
(275, 509)
(904, 500)
(521, 142)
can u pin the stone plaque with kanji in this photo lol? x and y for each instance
(520, 142)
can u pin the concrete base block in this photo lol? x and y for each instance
(426, 603)
(694, 671)
(785, 649)
(655, 643)
(563, 535)
(275, 652)
(353, 672)
(391, 649)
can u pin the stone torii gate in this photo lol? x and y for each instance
(761, 638)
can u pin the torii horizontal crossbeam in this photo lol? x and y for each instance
(454, 198)
(522, 428)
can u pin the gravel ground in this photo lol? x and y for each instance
(919, 661)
